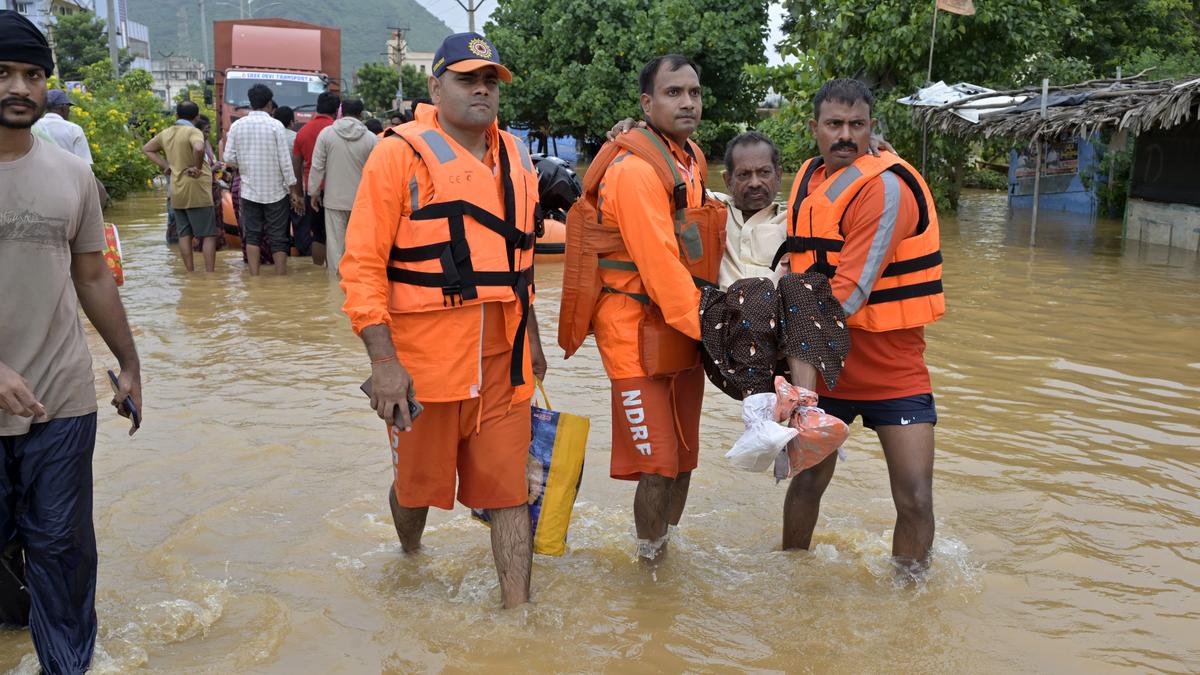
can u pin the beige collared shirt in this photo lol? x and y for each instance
(751, 243)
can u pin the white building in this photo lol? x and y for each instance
(43, 12)
(174, 74)
(131, 35)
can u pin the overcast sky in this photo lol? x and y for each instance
(454, 16)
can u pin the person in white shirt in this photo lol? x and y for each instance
(56, 125)
(259, 148)
(757, 224)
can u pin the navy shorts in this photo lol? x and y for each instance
(902, 411)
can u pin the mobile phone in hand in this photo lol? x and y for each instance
(414, 407)
(134, 415)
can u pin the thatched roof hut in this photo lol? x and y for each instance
(1130, 105)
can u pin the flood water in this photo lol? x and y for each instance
(245, 528)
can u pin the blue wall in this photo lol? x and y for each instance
(1062, 187)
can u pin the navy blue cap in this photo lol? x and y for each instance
(56, 98)
(468, 52)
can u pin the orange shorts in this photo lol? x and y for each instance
(484, 440)
(656, 424)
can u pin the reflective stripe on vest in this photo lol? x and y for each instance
(815, 241)
(629, 266)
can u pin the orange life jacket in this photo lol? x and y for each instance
(592, 244)
(908, 292)
(462, 243)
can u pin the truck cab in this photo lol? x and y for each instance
(299, 91)
(297, 60)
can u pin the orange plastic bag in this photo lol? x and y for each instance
(821, 434)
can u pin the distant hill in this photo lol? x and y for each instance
(366, 24)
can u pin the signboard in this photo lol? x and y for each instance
(277, 77)
(1061, 158)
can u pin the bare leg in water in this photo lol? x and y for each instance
(512, 544)
(658, 502)
(280, 262)
(512, 548)
(185, 252)
(209, 251)
(410, 523)
(909, 453)
(803, 503)
(679, 495)
(253, 258)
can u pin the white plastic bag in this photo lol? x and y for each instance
(758, 447)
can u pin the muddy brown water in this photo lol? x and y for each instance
(244, 529)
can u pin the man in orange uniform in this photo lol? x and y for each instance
(656, 420)
(872, 227)
(438, 274)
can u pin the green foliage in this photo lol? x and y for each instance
(376, 85)
(81, 40)
(575, 62)
(118, 116)
(195, 94)
(1111, 180)
(985, 179)
(414, 82)
(789, 130)
(365, 24)
(1007, 43)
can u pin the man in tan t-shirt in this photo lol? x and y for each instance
(51, 238)
(191, 182)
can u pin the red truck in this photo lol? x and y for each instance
(297, 60)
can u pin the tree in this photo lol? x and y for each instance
(118, 116)
(415, 83)
(575, 62)
(1007, 43)
(377, 85)
(81, 40)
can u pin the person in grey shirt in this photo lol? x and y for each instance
(337, 164)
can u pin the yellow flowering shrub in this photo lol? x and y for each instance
(118, 116)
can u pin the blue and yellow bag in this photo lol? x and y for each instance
(554, 471)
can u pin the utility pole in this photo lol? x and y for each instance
(1037, 177)
(203, 35)
(397, 50)
(167, 56)
(470, 7)
(112, 38)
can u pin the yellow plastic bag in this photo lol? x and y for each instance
(555, 470)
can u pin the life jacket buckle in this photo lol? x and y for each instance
(449, 294)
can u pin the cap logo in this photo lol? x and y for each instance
(479, 47)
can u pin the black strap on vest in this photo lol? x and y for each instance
(905, 292)
(458, 279)
(914, 265)
(806, 244)
(802, 191)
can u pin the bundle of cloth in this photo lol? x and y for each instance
(747, 334)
